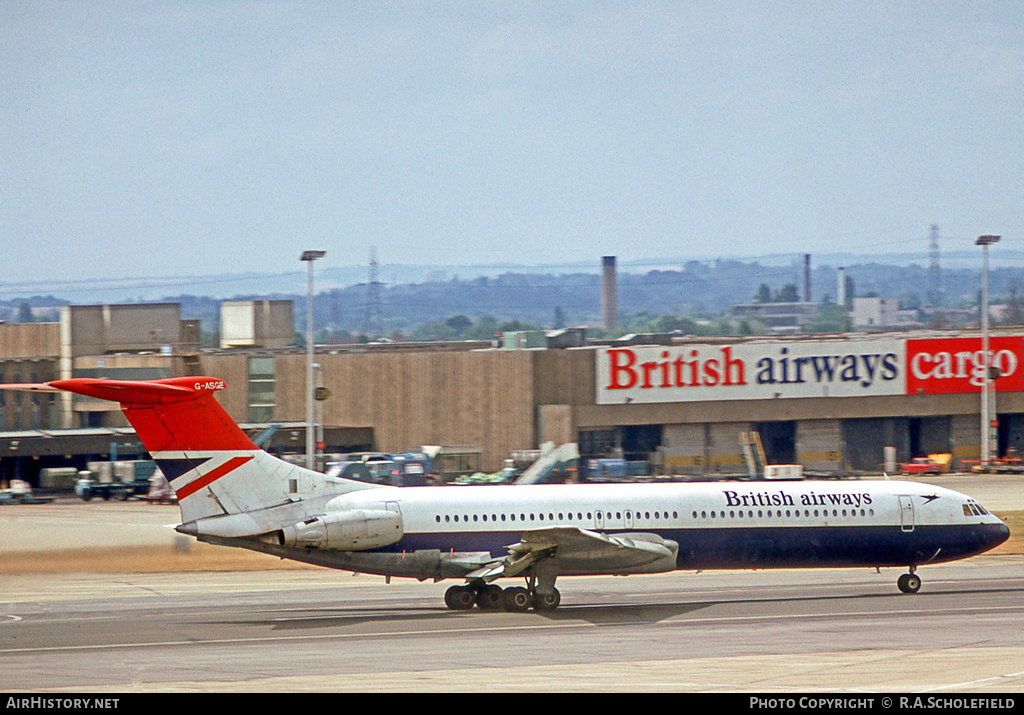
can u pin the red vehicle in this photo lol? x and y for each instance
(922, 465)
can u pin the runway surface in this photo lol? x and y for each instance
(82, 611)
(833, 630)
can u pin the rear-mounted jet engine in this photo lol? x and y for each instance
(356, 530)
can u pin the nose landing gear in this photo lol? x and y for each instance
(909, 582)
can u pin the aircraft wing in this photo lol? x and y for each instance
(582, 551)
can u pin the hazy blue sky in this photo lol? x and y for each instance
(169, 138)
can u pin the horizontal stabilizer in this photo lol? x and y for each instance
(136, 392)
(29, 386)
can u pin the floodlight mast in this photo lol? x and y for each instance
(309, 257)
(986, 418)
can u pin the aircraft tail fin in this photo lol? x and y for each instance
(213, 467)
(175, 415)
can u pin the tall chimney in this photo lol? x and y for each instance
(807, 278)
(841, 287)
(609, 294)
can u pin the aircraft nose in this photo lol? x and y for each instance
(999, 534)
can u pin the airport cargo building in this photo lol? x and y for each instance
(832, 404)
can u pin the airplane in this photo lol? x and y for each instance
(232, 493)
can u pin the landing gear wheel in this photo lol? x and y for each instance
(909, 583)
(547, 602)
(490, 598)
(459, 598)
(517, 600)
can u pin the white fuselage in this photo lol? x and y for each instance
(717, 525)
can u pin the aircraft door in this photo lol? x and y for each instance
(907, 513)
(598, 519)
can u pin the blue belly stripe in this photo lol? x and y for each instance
(767, 547)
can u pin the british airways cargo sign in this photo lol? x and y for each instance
(803, 368)
(957, 364)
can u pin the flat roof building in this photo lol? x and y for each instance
(830, 403)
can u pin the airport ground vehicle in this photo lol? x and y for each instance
(409, 469)
(932, 464)
(20, 492)
(115, 480)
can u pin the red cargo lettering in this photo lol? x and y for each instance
(956, 365)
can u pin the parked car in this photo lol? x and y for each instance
(932, 464)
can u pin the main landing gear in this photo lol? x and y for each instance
(491, 597)
(909, 582)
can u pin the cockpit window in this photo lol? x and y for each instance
(975, 509)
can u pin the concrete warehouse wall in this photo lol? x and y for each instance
(35, 341)
(480, 398)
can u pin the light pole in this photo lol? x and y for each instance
(309, 257)
(986, 420)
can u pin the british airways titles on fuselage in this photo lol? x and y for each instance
(781, 498)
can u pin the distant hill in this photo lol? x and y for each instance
(412, 295)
